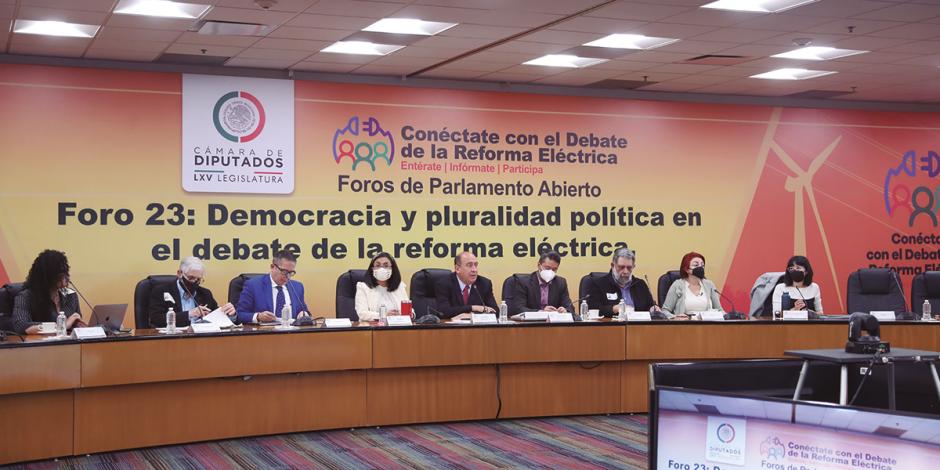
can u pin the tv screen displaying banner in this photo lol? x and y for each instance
(695, 430)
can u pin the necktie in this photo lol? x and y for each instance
(466, 294)
(279, 305)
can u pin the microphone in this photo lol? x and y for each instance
(94, 314)
(437, 314)
(734, 314)
(894, 276)
(5, 333)
(582, 299)
(305, 320)
(473, 287)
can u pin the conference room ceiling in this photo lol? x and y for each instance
(494, 38)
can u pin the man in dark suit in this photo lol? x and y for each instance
(542, 290)
(606, 292)
(263, 297)
(464, 291)
(190, 300)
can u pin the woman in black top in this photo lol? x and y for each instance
(45, 294)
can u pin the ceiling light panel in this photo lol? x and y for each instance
(55, 28)
(161, 9)
(408, 26)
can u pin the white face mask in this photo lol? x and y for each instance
(547, 275)
(382, 274)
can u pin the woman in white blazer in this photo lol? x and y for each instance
(382, 286)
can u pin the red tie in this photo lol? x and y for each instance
(466, 294)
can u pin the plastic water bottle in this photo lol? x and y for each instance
(503, 312)
(170, 321)
(585, 314)
(60, 329)
(926, 315)
(285, 316)
(785, 303)
(383, 312)
(623, 310)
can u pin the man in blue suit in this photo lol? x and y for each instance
(263, 297)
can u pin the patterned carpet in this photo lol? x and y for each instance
(582, 442)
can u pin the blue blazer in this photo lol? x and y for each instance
(256, 297)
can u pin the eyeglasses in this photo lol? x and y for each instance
(284, 271)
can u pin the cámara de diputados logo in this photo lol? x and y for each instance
(238, 116)
(238, 135)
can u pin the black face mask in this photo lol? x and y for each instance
(699, 272)
(189, 286)
(797, 276)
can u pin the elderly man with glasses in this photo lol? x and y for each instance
(263, 297)
(191, 301)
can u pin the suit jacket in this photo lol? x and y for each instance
(256, 297)
(450, 298)
(527, 294)
(605, 293)
(158, 306)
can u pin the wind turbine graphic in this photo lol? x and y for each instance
(800, 182)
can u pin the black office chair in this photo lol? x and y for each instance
(876, 289)
(590, 277)
(346, 293)
(665, 281)
(509, 285)
(422, 290)
(142, 298)
(237, 283)
(7, 294)
(925, 286)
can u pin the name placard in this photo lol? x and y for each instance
(884, 315)
(800, 315)
(398, 320)
(639, 316)
(202, 328)
(712, 315)
(91, 332)
(555, 317)
(338, 323)
(483, 319)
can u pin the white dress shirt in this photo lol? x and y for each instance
(368, 300)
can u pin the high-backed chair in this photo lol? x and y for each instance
(422, 290)
(926, 286)
(762, 298)
(587, 278)
(237, 283)
(874, 289)
(665, 281)
(509, 285)
(346, 293)
(7, 293)
(142, 298)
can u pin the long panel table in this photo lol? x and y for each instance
(67, 397)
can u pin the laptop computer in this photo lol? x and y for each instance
(109, 316)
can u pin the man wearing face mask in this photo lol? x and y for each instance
(606, 292)
(191, 300)
(543, 290)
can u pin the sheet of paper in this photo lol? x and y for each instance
(219, 318)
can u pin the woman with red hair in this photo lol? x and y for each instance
(691, 292)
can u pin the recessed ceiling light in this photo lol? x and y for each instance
(792, 74)
(160, 8)
(760, 6)
(361, 47)
(631, 41)
(565, 60)
(818, 53)
(55, 28)
(408, 26)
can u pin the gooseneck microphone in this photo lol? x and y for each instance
(304, 320)
(894, 275)
(94, 314)
(734, 314)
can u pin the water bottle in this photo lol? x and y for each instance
(926, 315)
(623, 310)
(170, 321)
(383, 312)
(785, 303)
(60, 329)
(503, 312)
(285, 316)
(585, 314)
